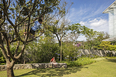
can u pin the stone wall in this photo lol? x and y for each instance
(35, 66)
(97, 52)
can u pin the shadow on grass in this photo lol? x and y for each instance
(52, 72)
(111, 60)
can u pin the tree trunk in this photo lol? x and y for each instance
(10, 72)
(60, 45)
(10, 65)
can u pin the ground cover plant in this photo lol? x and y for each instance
(79, 62)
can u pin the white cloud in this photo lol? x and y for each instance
(83, 23)
(81, 38)
(96, 24)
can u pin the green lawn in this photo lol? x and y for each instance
(102, 68)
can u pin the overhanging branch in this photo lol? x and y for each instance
(34, 38)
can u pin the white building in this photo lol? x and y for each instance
(111, 10)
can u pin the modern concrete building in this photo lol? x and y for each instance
(111, 10)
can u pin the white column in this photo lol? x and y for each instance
(114, 22)
(111, 22)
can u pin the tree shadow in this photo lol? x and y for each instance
(48, 72)
(111, 60)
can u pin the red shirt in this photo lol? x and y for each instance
(52, 59)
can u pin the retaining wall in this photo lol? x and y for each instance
(35, 66)
(101, 53)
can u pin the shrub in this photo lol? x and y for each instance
(70, 52)
(79, 62)
(106, 45)
(41, 52)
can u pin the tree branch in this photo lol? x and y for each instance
(35, 37)
(1, 23)
(13, 40)
(22, 51)
(28, 29)
(57, 37)
(7, 45)
(18, 16)
(2, 47)
(17, 49)
(12, 63)
(8, 4)
(5, 12)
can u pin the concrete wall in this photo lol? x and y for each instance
(100, 53)
(35, 66)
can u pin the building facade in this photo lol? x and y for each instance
(111, 10)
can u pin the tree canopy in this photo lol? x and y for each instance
(16, 17)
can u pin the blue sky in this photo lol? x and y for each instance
(89, 13)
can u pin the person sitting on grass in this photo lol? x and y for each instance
(37, 26)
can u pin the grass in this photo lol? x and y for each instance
(102, 68)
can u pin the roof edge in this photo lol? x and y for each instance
(105, 11)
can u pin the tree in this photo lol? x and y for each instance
(20, 14)
(94, 38)
(90, 35)
(74, 32)
(58, 25)
(100, 36)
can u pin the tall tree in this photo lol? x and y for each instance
(20, 14)
(59, 31)
(58, 25)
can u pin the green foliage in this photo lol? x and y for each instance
(42, 51)
(40, 8)
(94, 41)
(22, 2)
(79, 62)
(106, 45)
(70, 51)
(75, 28)
(2, 59)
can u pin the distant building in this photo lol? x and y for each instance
(111, 10)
